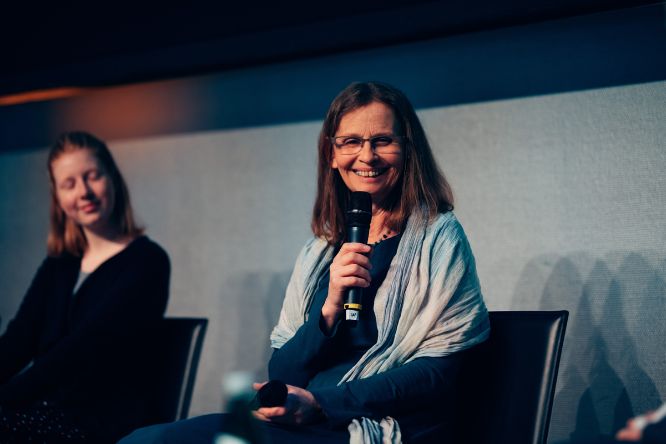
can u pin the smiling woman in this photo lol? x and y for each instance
(82, 188)
(69, 358)
(88, 195)
(392, 375)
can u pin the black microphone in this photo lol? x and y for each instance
(272, 394)
(358, 226)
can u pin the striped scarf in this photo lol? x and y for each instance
(429, 305)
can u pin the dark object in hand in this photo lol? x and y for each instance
(272, 394)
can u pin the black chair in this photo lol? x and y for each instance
(508, 383)
(171, 376)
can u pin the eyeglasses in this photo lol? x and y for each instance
(382, 144)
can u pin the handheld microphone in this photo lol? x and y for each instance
(358, 226)
(272, 394)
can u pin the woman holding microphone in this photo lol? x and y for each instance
(390, 375)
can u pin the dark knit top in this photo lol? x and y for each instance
(86, 350)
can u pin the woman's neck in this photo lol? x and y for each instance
(378, 228)
(101, 237)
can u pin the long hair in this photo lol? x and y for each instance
(64, 234)
(421, 183)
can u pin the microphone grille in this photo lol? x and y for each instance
(359, 212)
(360, 201)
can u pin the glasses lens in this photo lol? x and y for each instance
(348, 144)
(386, 144)
(381, 141)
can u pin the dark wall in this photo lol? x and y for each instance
(593, 51)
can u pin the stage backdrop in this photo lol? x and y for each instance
(553, 140)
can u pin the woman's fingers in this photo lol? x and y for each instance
(272, 414)
(301, 407)
(350, 268)
(343, 278)
(628, 434)
(355, 247)
(350, 281)
(350, 265)
(258, 385)
(266, 413)
(259, 416)
(341, 274)
(353, 253)
(353, 259)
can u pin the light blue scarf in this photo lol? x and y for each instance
(429, 304)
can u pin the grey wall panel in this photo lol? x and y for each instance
(232, 208)
(24, 203)
(562, 198)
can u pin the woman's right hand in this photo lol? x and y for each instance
(301, 407)
(350, 268)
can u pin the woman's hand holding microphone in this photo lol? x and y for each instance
(350, 268)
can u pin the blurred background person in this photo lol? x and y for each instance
(71, 359)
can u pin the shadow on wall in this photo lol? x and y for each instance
(613, 343)
(256, 299)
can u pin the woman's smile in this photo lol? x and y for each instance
(89, 207)
(370, 173)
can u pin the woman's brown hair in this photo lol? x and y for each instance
(64, 234)
(421, 183)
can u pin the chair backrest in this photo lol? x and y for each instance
(508, 382)
(175, 360)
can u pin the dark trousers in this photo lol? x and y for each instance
(202, 430)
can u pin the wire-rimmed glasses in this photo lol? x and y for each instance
(380, 144)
